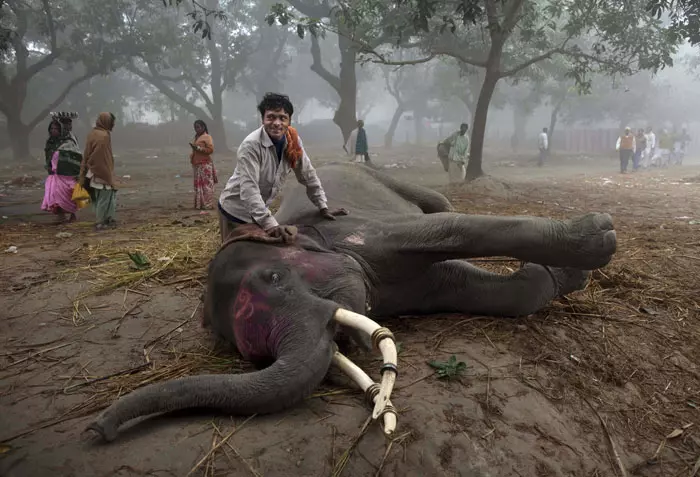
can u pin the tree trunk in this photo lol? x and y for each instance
(389, 136)
(218, 133)
(474, 169)
(345, 116)
(520, 115)
(419, 125)
(18, 134)
(553, 123)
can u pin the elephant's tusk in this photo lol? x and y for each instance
(383, 340)
(368, 386)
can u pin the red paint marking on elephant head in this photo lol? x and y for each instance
(253, 321)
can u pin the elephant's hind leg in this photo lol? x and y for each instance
(459, 287)
(428, 200)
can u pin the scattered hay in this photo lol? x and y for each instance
(177, 253)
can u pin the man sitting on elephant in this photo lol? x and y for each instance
(265, 159)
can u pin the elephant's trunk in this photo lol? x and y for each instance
(293, 376)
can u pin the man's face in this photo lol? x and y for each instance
(463, 130)
(276, 123)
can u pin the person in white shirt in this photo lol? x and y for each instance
(651, 148)
(543, 144)
(265, 159)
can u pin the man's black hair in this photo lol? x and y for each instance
(464, 126)
(275, 101)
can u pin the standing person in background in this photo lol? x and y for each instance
(97, 171)
(683, 139)
(203, 168)
(626, 146)
(651, 148)
(458, 154)
(665, 148)
(445, 146)
(361, 145)
(640, 146)
(63, 159)
(543, 144)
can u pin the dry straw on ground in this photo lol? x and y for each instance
(176, 252)
(627, 344)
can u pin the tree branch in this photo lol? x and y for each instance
(511, 17)
(394, 89)
(168, 92)
(492, 19)
(382, 61)
(45, 112)
(42, 64)
(21, 52)
(218, 78)
(310, 10)
(460, 57)
(318, 68)
(176, 79)
(25, 73)
(434, 54)
(528, 63)
(50, 24)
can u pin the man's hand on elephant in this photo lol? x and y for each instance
(332, 214)
(288, 234)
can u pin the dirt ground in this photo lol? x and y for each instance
(603, 380)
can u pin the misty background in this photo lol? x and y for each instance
(143, 62)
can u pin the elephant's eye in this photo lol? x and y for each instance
(275, 277)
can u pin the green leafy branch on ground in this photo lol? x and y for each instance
(449, 370)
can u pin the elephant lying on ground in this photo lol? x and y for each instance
(399, 252)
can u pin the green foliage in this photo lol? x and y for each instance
(138, 261)
(452, 369)
(684, 16)
(199, 15)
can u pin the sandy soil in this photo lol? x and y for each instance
(543, 395)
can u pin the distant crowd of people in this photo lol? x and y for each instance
(644, 149)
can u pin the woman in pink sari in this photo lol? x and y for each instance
(63, 160)
(203, 167)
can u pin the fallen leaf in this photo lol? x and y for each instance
(674, 433)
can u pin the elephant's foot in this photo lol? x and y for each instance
(590, 241)
(566, 280)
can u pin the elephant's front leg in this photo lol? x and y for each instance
(458, 287)
(587, 242)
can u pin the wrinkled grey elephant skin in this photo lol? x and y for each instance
(400, 251)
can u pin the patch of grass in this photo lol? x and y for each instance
(449, 370)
